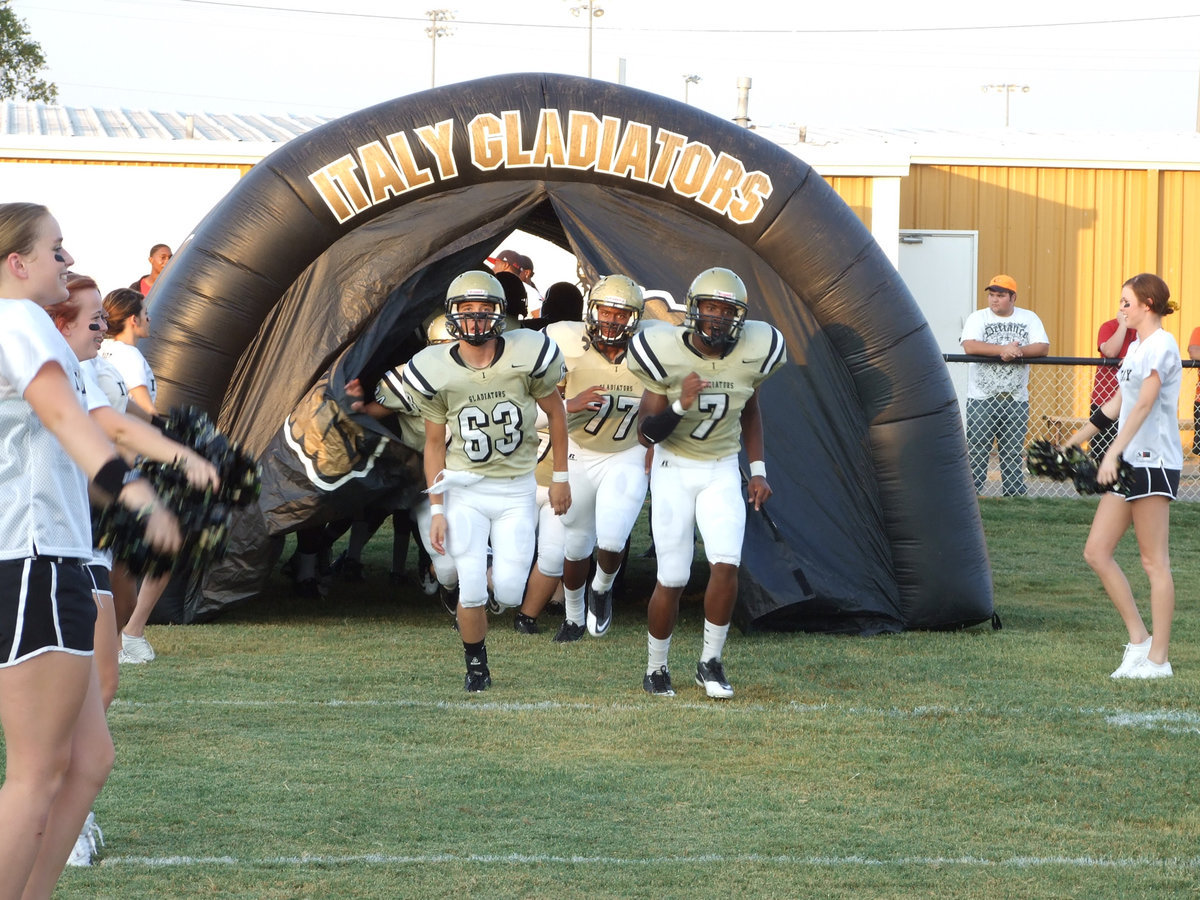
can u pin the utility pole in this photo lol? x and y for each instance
(592, 11)
(689, 80)
(435, 31)
(1009, 90)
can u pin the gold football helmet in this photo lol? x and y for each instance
(475, 287)
(617, 292)
(723, 286)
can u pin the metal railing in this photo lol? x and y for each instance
(1060, 395)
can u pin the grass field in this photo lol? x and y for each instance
(297, 749)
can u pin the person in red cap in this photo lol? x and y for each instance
(506, 261)
(521, 266)
(1112, 340)
(998, 392)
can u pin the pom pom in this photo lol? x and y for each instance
(203, 514)
(1044, 460)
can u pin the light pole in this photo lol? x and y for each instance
(592, 11)
(1009, 90)
(689, 80)
(435, 31)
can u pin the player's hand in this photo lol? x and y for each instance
(757, 492)
(591, 399)
(1107, 472)
(354, 390)
(437, 533)
(199, 471)
(692, 385)
(560, 497)
(162, 528)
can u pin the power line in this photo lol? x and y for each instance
(913, 29)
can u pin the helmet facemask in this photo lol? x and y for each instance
(475, 326)
(610, 332)
(613, 292)
(717, 329)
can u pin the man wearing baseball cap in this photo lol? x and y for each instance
(998, 392)
(521, 266)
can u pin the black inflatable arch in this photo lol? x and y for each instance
(346, 237)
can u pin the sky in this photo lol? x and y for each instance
(1091, 66)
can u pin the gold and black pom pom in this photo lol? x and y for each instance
(203, 514)
(1044, 460)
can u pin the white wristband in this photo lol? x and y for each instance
(560, 477)
(758, 467)
(677, 408)
(437, 509)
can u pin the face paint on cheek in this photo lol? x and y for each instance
(58, 257)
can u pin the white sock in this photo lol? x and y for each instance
(573, 600)
(603, 581)
(657, 648)
(714, 641)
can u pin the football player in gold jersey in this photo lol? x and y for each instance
(607, 462)
(391, 398)
(701, 403)
(484, 391)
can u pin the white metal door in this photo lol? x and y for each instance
(941, 270)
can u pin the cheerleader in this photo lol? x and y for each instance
(57, 745)
(1145, 409)
(129, 322)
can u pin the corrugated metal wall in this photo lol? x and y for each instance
(856, 191)
(1070, 237)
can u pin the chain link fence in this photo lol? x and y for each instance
(1061, 391)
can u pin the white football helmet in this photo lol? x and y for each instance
(475, 287)
(619, 292)
(724, 286)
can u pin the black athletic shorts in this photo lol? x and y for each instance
(1154, 483)
(45, 605)
(101, 578)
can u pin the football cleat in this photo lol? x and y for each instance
(477, 680)
(658, 683)
(710, 675)
(569, 632)
(599, 611)
(348, 569)
(523, 624)
(448, 598)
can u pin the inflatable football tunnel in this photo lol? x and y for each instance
(324, 260)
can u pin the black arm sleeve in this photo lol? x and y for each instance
(657, 427)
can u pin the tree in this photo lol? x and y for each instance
(21, 59)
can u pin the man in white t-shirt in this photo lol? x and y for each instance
(998, 393)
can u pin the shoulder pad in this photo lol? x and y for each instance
(571, 338)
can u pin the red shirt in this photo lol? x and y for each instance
(1195, 339)
(1105, 383)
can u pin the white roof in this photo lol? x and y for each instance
(829, 149)
(142, 134)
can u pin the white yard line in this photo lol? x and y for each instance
(1015, 862)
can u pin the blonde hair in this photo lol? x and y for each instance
(19, 227)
